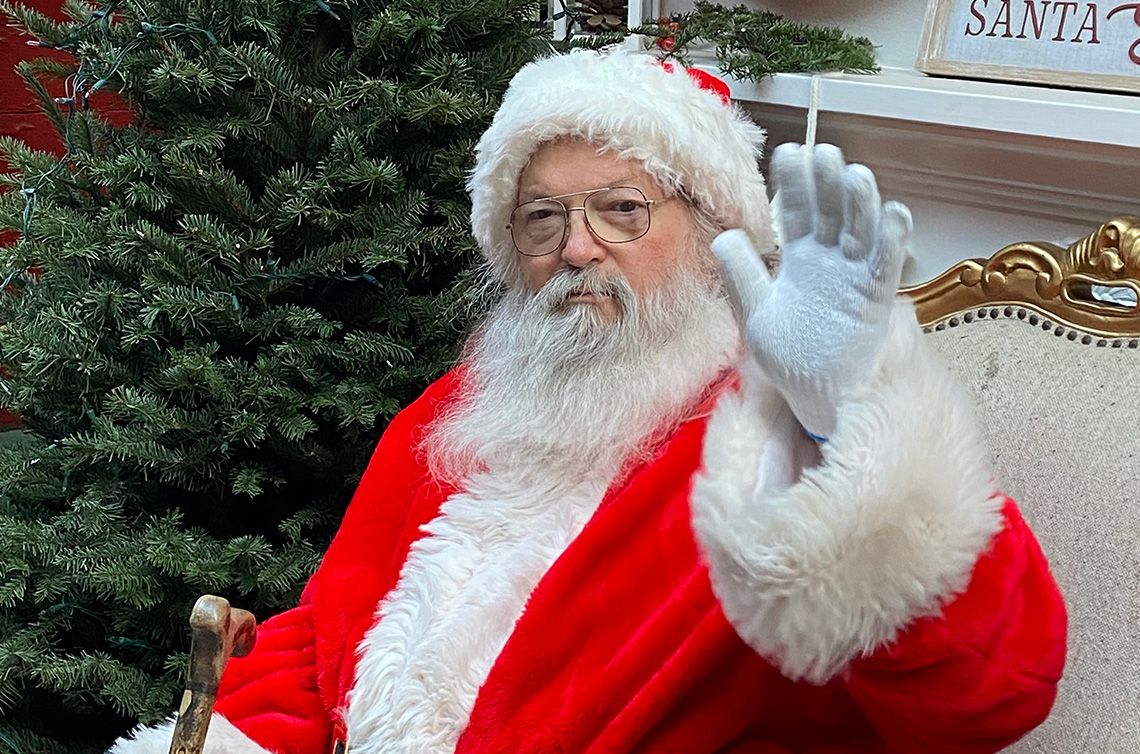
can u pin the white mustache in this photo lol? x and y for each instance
(572, 281)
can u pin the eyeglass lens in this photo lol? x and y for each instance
(615, 215)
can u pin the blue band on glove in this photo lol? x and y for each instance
(819, 439)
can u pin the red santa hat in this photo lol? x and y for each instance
(682, 128)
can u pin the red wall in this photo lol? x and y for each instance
(19, 114)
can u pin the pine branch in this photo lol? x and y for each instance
(752, 44)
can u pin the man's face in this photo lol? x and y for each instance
(566, 166)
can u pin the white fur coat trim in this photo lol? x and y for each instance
(221, 738)
(815, 572)
(461, 591)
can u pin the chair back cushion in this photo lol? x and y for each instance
(1062, 420)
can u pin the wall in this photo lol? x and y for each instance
(1026, 163)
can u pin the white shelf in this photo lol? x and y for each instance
(1091, 117)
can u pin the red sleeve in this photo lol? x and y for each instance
(271, 694)
(984, 672)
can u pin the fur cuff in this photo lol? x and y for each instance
(222, 738)
(816, 571)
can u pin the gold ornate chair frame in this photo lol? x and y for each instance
(1045, 284)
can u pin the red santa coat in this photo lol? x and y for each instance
(887, 600)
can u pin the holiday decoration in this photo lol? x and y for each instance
(752, 44)
(602, 15)
(239, 289)
(748, 43)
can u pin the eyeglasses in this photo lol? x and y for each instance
(616, 214)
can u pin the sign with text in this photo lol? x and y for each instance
(1061, 42)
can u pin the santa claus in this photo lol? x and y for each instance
(666, 502)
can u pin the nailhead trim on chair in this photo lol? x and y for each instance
(1016, 312)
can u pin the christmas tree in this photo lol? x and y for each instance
(212, 312)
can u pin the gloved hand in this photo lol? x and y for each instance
(817, 328)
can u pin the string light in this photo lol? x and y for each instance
(81, 85)
(89, 79)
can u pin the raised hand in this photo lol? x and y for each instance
(817, 328)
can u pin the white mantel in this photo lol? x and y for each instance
(980, 164)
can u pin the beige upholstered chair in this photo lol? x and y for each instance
(1056, 373)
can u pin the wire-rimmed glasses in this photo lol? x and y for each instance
(614, 214)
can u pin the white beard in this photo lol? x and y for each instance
(553, 393)
(555, 401)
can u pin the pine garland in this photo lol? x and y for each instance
(749, 44)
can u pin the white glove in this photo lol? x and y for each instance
(817, 328)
